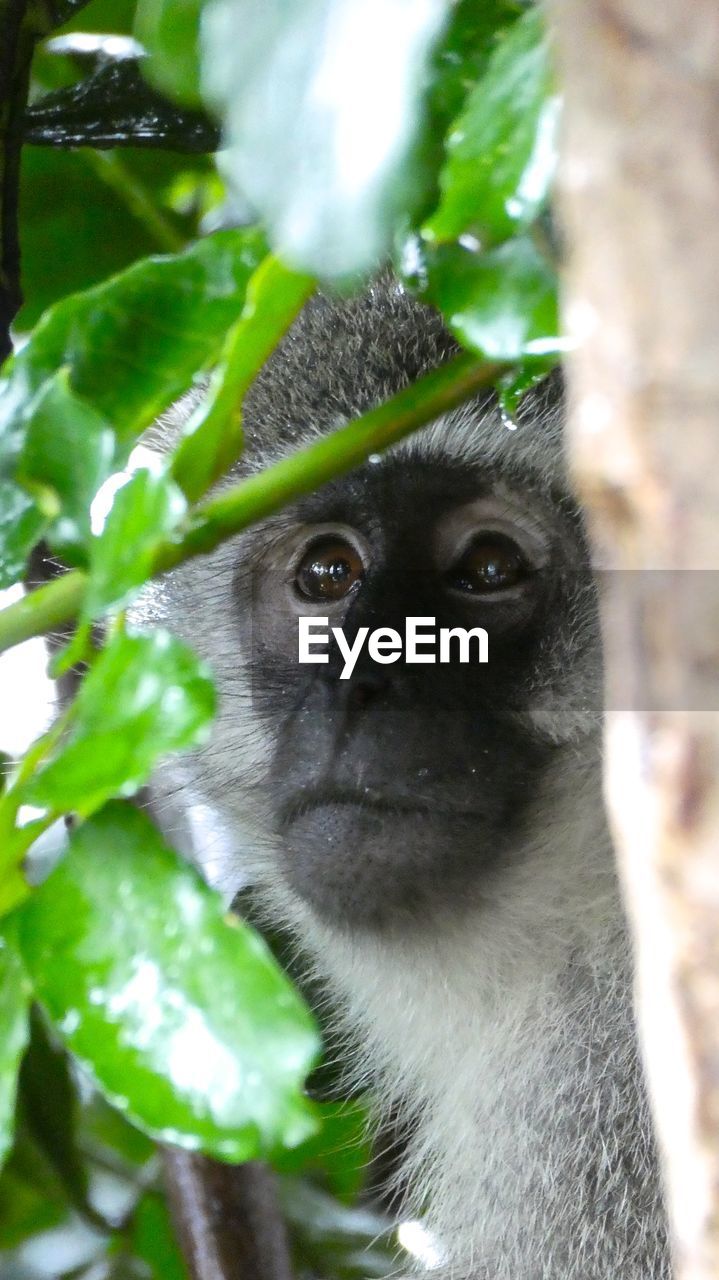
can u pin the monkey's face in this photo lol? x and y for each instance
(399, 789)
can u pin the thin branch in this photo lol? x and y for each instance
(244, 504)
(16, 46)
(116, 107)
(227, 1218)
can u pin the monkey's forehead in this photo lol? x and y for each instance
(344, 356)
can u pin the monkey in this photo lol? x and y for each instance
(433, 835)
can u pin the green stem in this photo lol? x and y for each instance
(213, 436)
(42, 610)
(244, 504)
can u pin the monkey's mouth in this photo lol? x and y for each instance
(370, 799)
(369, 858)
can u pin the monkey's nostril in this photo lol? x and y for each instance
(366, 689)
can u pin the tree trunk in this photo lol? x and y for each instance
(639, 196)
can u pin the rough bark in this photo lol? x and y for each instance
(639, 198)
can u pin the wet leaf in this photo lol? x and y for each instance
(116, 208)
(21, 525)
(322, 105)
(180, 1015)
(132, 344)
(213, 435)
(146, 695)
(463, 52)
(116, 107)
(501, 304)
(53, 467)
(14, 1007)
(502, 150)
(127, 348)
(144, 511)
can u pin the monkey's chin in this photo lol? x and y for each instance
(362, 866)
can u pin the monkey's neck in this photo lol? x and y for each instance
(511, 1054)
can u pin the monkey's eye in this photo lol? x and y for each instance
(330, 570)
(492, 562)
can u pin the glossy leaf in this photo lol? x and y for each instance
(14, 1007)
(463, 52)
(67, 454)
(213, 436)
(116, 207)
(22, 524)
(502, 150)
(460, 58)
(170, 33)
(180, 1015)
(129, 347)
(322, 104)
(144, 510)
(132, 344)
(146, 695)
(501, 304)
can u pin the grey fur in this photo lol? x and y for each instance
(503, 1033)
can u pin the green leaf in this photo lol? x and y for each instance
(153, 1240)
(322, 104)
(67, 454)
(146, 695)
(502, 150)
(127, 348)
(14, 1007)
(22, 524)
(144, 510)
(180, 1015)
(116, 207)
(25, 1208)
(132, 344)
(213, 436)
(170, 31)
(501, 304)
(464, 51)
(340, 1152)
(49, 1107)
(460, 58)
(107, 1137)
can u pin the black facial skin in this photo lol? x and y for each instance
(395, 790)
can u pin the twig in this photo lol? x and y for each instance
(218, 518)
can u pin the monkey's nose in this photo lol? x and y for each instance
(366, 688)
